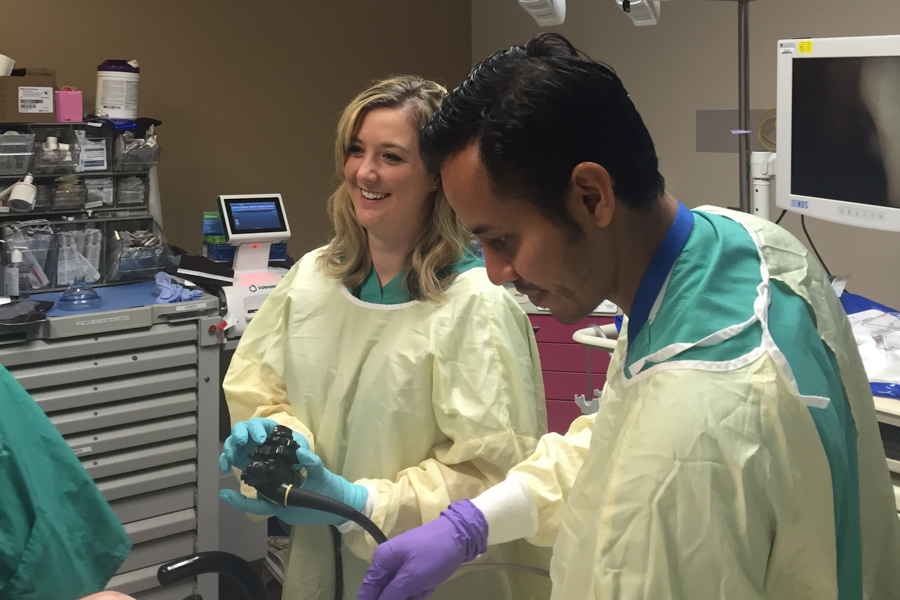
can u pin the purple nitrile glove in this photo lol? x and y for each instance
(412, 564)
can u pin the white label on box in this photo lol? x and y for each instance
(93, 154)
(95, 204)
(35, 99)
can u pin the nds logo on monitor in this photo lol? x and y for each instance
(254, 288)
(799, 203)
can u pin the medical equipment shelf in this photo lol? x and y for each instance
(135, 394)
(81, 174)
(22, 149)
(117, 259)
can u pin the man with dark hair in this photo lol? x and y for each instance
(736, 452)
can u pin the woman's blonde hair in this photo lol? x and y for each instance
(429, 261)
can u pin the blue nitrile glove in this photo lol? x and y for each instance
(245, 437)
(412, 564)
(319, 480)
(172, 292)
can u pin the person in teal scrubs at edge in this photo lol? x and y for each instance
(59, 538)
(736, 452)
(408, 378)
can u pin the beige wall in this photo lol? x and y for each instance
(689, 62)
(248, 92)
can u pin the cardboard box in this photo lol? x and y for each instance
(218, 252)
(29, 90)
(212, 224)
(278, 251)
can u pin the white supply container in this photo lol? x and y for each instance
(117, 88)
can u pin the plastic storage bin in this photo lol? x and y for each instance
(44, 197)
(79, 253)
(131, 192)
(100, 192)
(131, 155)
(55, 161)
(16, 152)
(34, 239)
(70, 196)
(136, 250)
(137, 160)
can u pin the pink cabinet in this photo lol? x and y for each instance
(564, 368)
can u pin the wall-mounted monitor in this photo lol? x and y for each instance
(839, 129)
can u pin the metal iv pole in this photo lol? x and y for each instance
(744, 102)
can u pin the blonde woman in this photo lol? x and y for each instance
(410, 380)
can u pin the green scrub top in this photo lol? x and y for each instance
(59, 538)
(394, 292)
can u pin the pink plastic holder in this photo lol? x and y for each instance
(68, 107)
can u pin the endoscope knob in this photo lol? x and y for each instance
(271, 463)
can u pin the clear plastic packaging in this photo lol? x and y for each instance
(16, 152)
(100, 192)
(885, 330)
(131, 192)
(79, 253)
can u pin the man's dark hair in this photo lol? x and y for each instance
(538, 111)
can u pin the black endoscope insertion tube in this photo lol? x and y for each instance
(214, 562)
(304, 499)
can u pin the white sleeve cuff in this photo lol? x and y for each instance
(368, 509)
(509, 510)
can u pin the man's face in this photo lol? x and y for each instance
(565, 271)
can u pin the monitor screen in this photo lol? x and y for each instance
(254, 215)
(838, 130)
(842, 126)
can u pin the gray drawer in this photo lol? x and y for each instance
(124, 413)
(158, 551)
(147, 457)
(153, 504)
(114, 390)
(162, 526)
(139, 362)
(121, 438)
(147, 481)
(39, 351)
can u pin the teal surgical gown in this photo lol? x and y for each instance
(59, 539)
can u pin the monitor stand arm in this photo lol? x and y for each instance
(762, 169)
